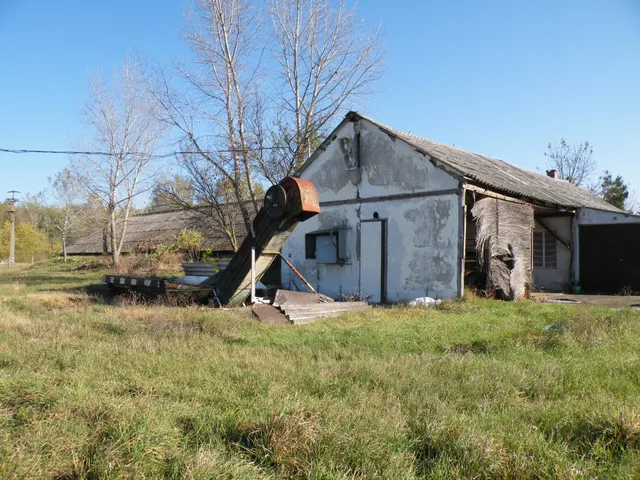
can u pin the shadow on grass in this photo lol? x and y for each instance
(284, 443)
(594, 435)
(52, 282)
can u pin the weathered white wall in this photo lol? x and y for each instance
(423, 232)
(393, 167)
(328, 174)
(331, 279)
(588, 216)
(555, 279)
(423, 246)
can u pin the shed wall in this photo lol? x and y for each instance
(420, 203)
(589, 216)
(422, 250)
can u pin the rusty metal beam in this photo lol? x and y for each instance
(554, 234)
(300, 202)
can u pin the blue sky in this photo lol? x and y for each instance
(503, 78)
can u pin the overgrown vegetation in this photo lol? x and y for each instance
(166, 259)
(474, 389)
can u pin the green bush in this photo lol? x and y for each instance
(30, 242)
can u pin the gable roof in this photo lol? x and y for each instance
(494, 174)
(153, 229)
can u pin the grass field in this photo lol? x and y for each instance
(475, 389)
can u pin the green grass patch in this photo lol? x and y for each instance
(473, 389)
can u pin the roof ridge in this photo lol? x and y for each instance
(537, 186)
(419, 137)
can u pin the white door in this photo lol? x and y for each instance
(373, 260)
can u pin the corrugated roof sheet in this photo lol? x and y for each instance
(162, 228)
(500, 176)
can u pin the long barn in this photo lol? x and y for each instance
(149, 230)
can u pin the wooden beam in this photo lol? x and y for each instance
(556, 214)
(517, 198)
(489, 193)
(554, 235)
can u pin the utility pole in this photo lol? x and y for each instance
(12, 220)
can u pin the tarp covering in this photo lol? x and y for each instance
(504, 232)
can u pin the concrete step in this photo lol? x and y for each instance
(328, 307)
(302, 314)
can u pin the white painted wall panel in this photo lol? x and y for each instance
(327, 172)
(423, 246)
(371, 264)
(423, 249)
(391, 167)
(588, 216)
(334, 280)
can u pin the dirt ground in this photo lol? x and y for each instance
(613, 301)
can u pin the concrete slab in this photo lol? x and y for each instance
(269, 314)
(612, 301)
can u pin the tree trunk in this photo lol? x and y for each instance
(113, 240)
(105, 238)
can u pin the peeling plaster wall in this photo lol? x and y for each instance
(423, 246)
(328, 172)
(331, 279)
(555, 279)
(423, 233)
(392, 167)
(422, 249)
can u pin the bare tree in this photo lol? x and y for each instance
(633, 204)
(326, 58)
(574, 163)
(212, 197)
(222, 35)
(66, 194)
(123, 123)
(259, 98)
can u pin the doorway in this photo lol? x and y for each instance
(373, 260)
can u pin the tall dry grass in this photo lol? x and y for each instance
(474, 389)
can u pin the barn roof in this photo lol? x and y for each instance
(496, 175)
(153, 229)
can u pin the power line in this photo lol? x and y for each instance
(154, 155)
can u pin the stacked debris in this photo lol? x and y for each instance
(300, 308)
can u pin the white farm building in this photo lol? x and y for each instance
(404, 217)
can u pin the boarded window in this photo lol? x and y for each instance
(544, 250)
(327, 246)
(310, 246)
